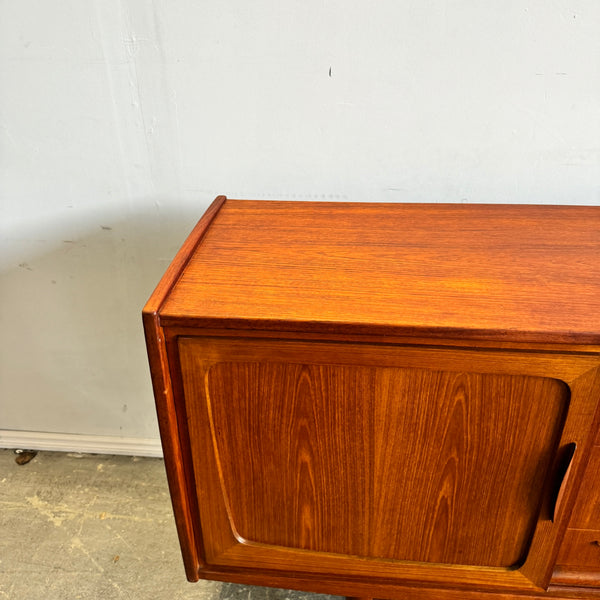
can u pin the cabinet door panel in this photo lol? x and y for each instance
(405, 464)
(431, 464)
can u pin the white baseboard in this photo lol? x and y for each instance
(87, 444)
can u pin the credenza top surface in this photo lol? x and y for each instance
(486, 271)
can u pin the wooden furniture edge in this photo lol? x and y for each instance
(576, 577)
(382, 330)
(163, 394)
(395, 340)
(182, 257)
(382, 589)
(169, 432)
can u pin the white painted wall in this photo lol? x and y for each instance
(121, 120)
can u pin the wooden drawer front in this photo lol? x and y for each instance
(586, 514)
(581, 549)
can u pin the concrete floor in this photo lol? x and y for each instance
(97, 527)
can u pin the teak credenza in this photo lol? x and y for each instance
(384, 400)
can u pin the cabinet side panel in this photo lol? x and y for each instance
(164, 396)
(172, 451)
(391, 463)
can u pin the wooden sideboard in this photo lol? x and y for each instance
(384, 400)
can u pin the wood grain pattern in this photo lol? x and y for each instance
(200, 356)
(178, 473)
(585, 579)
(581, 549)
(403, 464)
(499, 272)
(373, 400)
(578, 562)
(586, 514)
(391, 591)
(177, 476)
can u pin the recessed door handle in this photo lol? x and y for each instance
(563, 474)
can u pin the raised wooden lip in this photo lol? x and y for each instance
(179, 262)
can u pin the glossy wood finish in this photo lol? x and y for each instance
(384, 590)
(586, 514)
(392, 463)
(375, 418)
(177, 475)
(480, 271)
(581, 549)
(579, 558)
(377, 400)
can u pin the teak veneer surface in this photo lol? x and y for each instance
(390, 400)
(312, 455)
(367, 433)
(504, 272)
